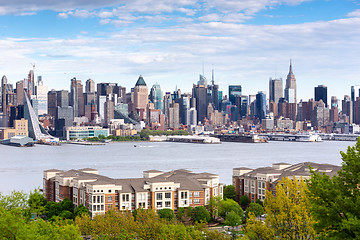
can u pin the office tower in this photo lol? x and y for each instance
(199, 92)
(273, 108)
(52, 102)
(321, 94)
(3, 100)
(234, 91)
(321, 115)
(109, 110)
(64, 118)
(173, 118)
(260, 105)
(275, 89)
(90, 98)
(213, 92)
(16, 113)
(347, 108)
(334, 101)
(167, 102)
(20, 93)
(140, 98)
(290, 84)
(355, 92)
(76, 99)
(101, 108)
(90, 86)
(121, 93)
(62, 98)
(31, 83)
(287, 110)
(156, 96)
(244, 106)
(41, 96)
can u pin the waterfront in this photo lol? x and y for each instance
(22, 168)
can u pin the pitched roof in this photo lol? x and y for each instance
(140, 81)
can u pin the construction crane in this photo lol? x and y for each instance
(33, 65)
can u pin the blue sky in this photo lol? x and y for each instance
(168, 41)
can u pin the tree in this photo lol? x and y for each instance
(233, 219)
(256, 229)
(14, 200)
(244, 201)
(254, 208)
(37, 202)
(229, 192)
(80, 210)
(229, 205)
(258, 201)
(214, 205)
(288, 213)
(52, 209)
(335, 202)
(166, 213)
(200, 214)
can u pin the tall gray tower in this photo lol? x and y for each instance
(290, 84)
(3, 100)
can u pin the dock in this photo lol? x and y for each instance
(85, 143)
(186, 139)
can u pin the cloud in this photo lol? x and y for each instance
(62, 15)
(355, 13)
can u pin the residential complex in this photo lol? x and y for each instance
(155, 190)
(254, 182)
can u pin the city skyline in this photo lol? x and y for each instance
(246, 43)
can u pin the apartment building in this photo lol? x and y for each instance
(155, 190)
(254, 182)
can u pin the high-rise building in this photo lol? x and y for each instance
(321, 94)
(109, 111)
(173, 117)
(140, 98)
(291, 83)
(321, 115)
(234, 91)
(275, 89)
(3, 100)
(20, 93)
(41, 96)
(347, 108)
(64, 118)
(199, 92)
(77, 97)
(289, 95)
(213, 92)
(52, 102)
(261, 105)
(90, 86)
(355, 92)
(156, 96)
(62, 98)
(31, 83)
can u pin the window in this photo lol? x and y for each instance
(159, 204)
(127, 197)
(94, 199)
(110, 199)
(159, 196)
(102, 207)
(109, 190)
(190, 194)
(190, 201)
(98, 199)
(167, 195)
(196, 194)
(246, 182)
(183, 195)
(197, 201)
(102, 199)
(98, 207)
(167, 204)
(94, 207)
(116, 197)
(109, 206)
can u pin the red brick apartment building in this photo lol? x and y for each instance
(254, 182)
(156, 190)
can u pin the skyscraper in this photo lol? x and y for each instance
(156, 96)
(90, 86)
(234, 91)
(290, 83)
(41, 96)
(199, 92)
(140, 98)
(3, 100)
(275, 89)
(321, 94)
(261, 105)
(20, 93)
(355, 92)
(77, 97)
(31, 83)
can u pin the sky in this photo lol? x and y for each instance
(171, 42)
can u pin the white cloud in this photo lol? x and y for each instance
(63, 15)
(355, 13)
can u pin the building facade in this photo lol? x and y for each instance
(254, 183)
(155, 190)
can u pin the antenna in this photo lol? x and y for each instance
(203, 68)
(212, 76)
(33, 65)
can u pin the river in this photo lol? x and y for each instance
(22, 168)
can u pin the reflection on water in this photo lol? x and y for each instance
(22, 168)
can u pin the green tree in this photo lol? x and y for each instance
(67, 205)
(254, 208)
(14, 200)
(52, 209)
(166, 213)
(200, 214)
(244, 201)
(256, 229)
(214, 205)
(37, 202)
(335, 202)
(233, 219)
(288, 213)
(229, 192)
(229, 205)
(258, 201)
(80, 210)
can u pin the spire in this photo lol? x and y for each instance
(212, 77)
(290, 68)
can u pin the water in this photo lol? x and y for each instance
(22, 168)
